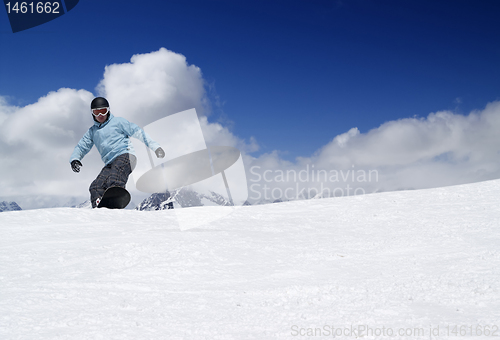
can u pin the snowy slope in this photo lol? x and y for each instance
(384, 263)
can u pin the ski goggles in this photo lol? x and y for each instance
(102, 111)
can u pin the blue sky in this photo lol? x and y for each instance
(409, 89)
(293, 74)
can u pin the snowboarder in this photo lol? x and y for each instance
(110, 135)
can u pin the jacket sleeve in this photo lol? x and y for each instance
(133, 130)
(83, 147)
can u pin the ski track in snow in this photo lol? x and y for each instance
(398, 260)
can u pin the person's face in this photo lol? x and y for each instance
(100, 114)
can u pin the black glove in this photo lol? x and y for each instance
(160, 153)
(75, 165)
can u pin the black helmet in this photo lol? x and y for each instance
(99, 102)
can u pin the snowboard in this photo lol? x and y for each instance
(115, 198)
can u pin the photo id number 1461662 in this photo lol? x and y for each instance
(33, 7)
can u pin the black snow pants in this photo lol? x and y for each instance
(115, 174)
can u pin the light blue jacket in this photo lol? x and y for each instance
(112, 139)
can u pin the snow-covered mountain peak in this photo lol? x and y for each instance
(9, 206)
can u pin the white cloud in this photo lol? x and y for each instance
(50, 123)
(152, 86)
(442, 149)
(36, 140)
(216, 134)
(408, 141)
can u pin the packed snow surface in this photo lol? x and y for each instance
(408, 265)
